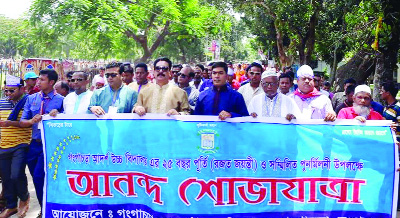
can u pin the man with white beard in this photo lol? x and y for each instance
(361, 109)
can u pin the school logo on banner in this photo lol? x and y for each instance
(208, 141)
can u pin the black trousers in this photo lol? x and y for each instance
(12, 167)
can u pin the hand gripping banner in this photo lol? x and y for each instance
(197, 166)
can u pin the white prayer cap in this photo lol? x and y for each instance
(269, 72)
(305, 71)
(362, 88)
(12, 80)
(230, 72)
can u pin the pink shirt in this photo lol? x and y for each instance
(349, 113)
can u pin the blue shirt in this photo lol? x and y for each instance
(212, 102)
(377, 107)
(125, 98)
(33, 106)
(207, 83)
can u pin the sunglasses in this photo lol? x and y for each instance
(113, 75)
(162, 68)
(9, 90)
(182, 75)
(75, 80)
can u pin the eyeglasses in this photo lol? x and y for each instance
(181, 75)
(113, 75)
(255, 73)
(75, 80)
(269, 84)
(9, 90)
(162, 68)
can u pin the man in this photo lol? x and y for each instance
(13, 149)
(101, 74)
(392, 110)
(30, 80)
(312, 104)
(127, 73)
(252, 88)
(162, 97)
(114, 98)
(62, 88)
(318, 81)
(36, 105)
(99, 83)
(221, 99)
(327, 88)
(207, 83)
(349, 99)
(184, 77)
(197, 80)
(69, 77)
(175, 70)
(141, 73)
(77, 102)
(361, 109)
(270, 103)
(231, 80)
(339, 97)
(285, 83)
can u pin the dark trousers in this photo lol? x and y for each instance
(12, 167)
(35, 160)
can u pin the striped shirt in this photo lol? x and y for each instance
(12, 136)
(392, 112)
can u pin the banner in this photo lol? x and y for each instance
(197, 166)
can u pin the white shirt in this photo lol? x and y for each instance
(280, 106)
(249, 92)
(77, 104)
(314, 107)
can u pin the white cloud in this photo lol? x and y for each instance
(14, 8)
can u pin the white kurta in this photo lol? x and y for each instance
(280, 106)
(77, 104)
(249, 92)
(314, 107)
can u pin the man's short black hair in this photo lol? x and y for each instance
(350, 80)
(210, 64)
(163, 59)
(319, 74)
(326, 83)
(51, 74)
(391, 88)
(286, 75)
(113, 64)
(177, 66)
(220, 64)
(64, 85)
(69, 74)
(350, 89)
(143, 65)
(254, 64)
(200, 66)
(125, 67)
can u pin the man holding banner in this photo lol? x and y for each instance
(36, 105)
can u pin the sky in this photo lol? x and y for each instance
(14, 8)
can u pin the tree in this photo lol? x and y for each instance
(147, 22)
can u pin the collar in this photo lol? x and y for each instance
(50, 95)
(122, 85)
(222, 89)
(162, 87)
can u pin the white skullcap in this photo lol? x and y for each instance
(269, 72)
(305, 71)
(12, 80)
(362, 88)
(230, 72)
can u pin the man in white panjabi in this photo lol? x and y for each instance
(270, 103)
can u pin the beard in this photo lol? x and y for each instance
(362, 110)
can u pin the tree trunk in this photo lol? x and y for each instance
(333, 67)
(283, 58)
(359, 67)
(379, 69)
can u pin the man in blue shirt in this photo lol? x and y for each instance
(36, 105)
(221, 99)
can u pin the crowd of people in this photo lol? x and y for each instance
(219, 89)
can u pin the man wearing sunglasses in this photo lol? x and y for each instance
(175, 70)
(162, 97)
(252, 88)
(77, 102)
(114, 98)
(184, 78)
(221, 99)
(13, 148)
